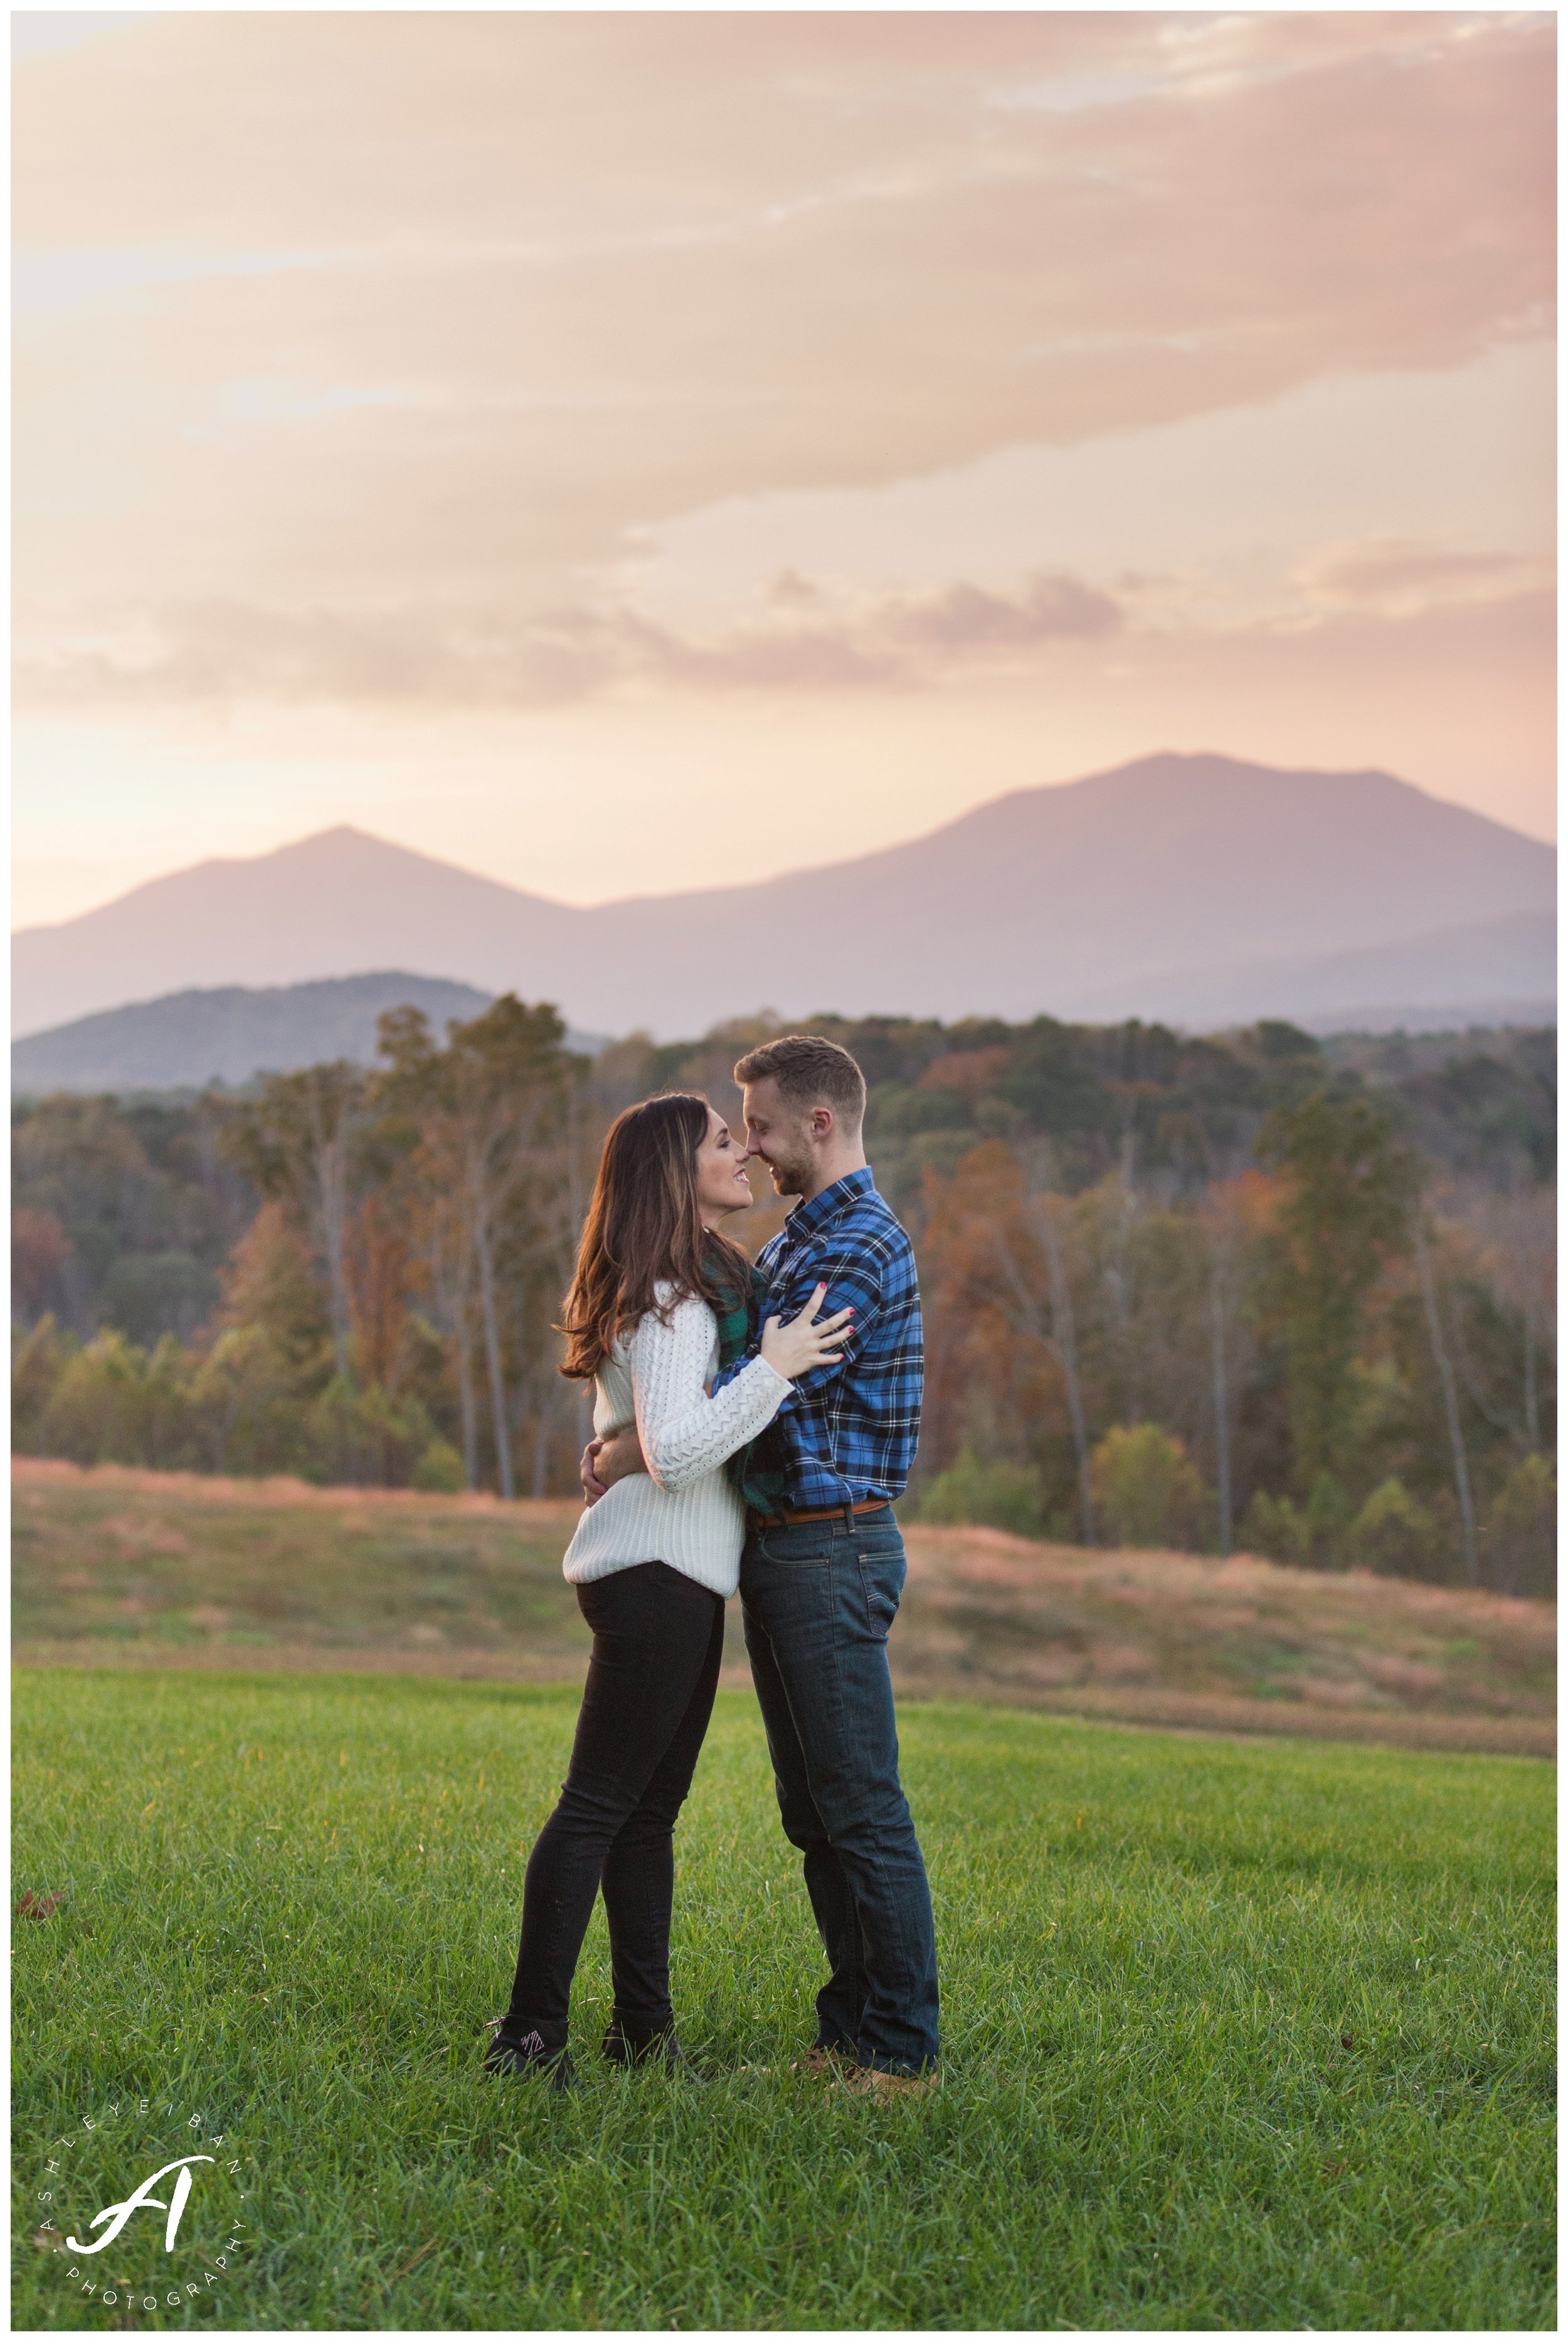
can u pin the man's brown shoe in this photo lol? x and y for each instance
(871, 2082)
(823, 2065)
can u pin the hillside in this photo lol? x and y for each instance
(1420, 985)
(1182, 888)
(118, 1568)
(191, 1038)
(230, 1035)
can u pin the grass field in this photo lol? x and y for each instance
(115, 1567)
(1236, 2036)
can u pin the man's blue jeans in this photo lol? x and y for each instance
(818, 1599)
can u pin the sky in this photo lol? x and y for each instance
(621, 453)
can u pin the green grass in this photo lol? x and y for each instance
(291, 1903)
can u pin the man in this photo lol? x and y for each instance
(824, 1566)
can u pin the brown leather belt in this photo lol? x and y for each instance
(788, 1520)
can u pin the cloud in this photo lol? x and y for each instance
(215, 654)
(603, 270)
(370, 359)
(967, 618)
(1400, 575)
(804, 636)
(36, 33)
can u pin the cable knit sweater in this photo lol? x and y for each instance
(684, 1510)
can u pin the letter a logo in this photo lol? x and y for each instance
(118, 2214)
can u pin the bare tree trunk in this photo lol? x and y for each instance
(1064, 1341)
(493, 1355)
(331, 1162)
(467, 1406)
(1450, 1401)
(449, 1258)
(1120, 1282)
(1517, 1227)
(543, 1426)
(1223, 1236)
(1222, 1402)
(332, 1202)
(1531, 1394)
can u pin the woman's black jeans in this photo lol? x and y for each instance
(658, 1637)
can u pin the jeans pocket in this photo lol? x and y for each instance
(881, 1579)
(817, 1560)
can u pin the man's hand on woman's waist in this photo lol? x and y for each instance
(606, 1461)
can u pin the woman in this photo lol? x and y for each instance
(654, 1562)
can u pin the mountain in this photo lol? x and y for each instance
(1504, 966)
(192, 1038)
(1166, 884)
(337, 904)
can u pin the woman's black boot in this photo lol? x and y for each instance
(521, 2056)
(621, 2048)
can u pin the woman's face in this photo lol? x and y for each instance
(721, 1184)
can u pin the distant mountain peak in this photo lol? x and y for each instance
(344, 837)
(1123, 889)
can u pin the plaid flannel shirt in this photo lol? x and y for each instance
(846, 1433)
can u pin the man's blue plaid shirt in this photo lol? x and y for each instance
(846, 1433)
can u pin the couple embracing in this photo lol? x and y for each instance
(752, 1429)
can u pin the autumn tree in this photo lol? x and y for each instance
(493, 1150)
(39, 1251)
(1000, 1246)
(1343, 1214)
(1233, 1215)
(300, 1139)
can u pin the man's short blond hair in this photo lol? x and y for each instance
(810, 1071)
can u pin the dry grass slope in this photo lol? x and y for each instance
(116, 1567)
(1243, 1644)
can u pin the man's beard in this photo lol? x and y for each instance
(791, 1174)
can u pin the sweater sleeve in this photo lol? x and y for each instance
(684, 1432)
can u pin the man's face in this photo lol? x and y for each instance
(781, 1136)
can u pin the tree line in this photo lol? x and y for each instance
(1249, 1290)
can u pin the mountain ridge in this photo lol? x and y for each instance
(232, 1033)
(1115, 889)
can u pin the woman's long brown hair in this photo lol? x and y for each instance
(643, 1228)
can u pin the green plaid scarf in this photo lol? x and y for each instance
(732, 1307)
(736, 1312)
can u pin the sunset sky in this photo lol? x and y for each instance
(618, 453)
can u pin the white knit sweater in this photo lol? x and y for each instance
(684, 1510)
